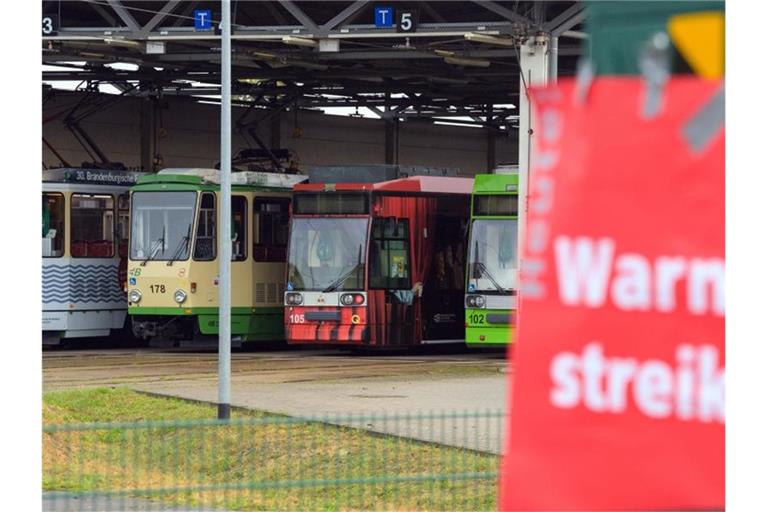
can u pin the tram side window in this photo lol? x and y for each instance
(239, 214)
(390, 254)
(53, 225)
(270, 229)
(123, 223)
(205, 240)
(93, 226)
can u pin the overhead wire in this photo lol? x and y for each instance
(151, 11)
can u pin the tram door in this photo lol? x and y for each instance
(443, 294)
(390, 271)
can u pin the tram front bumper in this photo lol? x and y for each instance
(489, 326)
(326, 325)
(160, 326)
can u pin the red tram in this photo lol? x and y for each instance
(378, 264)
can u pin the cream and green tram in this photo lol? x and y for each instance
(84, 247)
(173, 262)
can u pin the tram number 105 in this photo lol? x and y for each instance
(296, 318)
(157, 288)
(477, 318)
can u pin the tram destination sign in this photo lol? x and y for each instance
(93, 176)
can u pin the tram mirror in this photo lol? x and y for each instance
(477, 273)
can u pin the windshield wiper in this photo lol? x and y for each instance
(157, 244)
(479, 265)
(340, 280)
(185, 241)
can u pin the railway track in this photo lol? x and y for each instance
(78, 368)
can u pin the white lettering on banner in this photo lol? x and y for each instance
(694, 389)
(584, 273)
(583, 270)
(546, 156)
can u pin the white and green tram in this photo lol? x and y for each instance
(85, 221)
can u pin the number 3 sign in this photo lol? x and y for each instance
(50, 24)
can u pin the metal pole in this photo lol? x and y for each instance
(534, 70)
(553, 51)
(225, 233)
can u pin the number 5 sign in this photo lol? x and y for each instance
(407, 21)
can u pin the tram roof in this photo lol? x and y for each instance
(412, 184)
(91, 176)
(495, 183)
(203, 176)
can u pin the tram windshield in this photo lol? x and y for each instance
(327, 254)
(161, 225)
(492, 255)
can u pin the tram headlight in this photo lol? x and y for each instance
(179, 296)
(293, 299)
(134, 296)
(475, 301)
(352, 299)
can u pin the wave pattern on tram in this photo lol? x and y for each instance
(81, 283)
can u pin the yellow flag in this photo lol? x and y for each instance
(700, 39)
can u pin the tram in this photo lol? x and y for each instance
(173, 264)
(85, 248)
(491, 284)
(377, 263)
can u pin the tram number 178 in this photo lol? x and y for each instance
(157, 288)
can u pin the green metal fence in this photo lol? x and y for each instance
(434, 461)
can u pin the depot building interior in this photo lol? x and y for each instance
(136, 84)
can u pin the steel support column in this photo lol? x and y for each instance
(275, 126)
(147, 133)
(534, 70)
(490, 148)
(391, 131)
(391, 141)
(553, 54)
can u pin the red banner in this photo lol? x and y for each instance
(619, 390)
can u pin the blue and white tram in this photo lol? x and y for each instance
(85, 248)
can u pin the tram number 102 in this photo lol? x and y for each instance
(157, 288)
(477, 318)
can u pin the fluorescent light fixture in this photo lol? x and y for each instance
(444, 53)
(575, 34)
(264, 55)
(459, 61)
(125, 43)
(488, 39)
(462, 125)
(447, 80)
(123, 66)
(91, 55)
(300, 41)
(372, 79)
